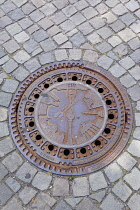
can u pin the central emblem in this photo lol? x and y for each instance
(70, 113)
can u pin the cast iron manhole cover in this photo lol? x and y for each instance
(70, 118)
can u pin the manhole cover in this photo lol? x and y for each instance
(70, 118)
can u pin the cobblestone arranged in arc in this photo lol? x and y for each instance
(38, 32)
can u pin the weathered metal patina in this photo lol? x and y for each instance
(70, 118)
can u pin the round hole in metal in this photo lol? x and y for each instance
(51, 147)
(60, 79)
(31, 109)
(70, 127)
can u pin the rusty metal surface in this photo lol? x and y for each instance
(70, 118)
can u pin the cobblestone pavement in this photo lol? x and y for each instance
(37, 32)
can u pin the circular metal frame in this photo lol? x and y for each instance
(72, 134)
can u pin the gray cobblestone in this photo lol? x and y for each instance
(2, 77)
(97, 22)
(133, 179)
(43, 201)
(32, 65)
(16, 14)
(10, 66)
(127, 63)
(134, 147)
(134, 92)
(48, 45)
(53, 31)
(134, 202)
(119, 9)
(86, 204)
(111, 3)
(3, 114)
(127, 80)
(5, 21)
(128, 19)
(85, 28)
(13, 29)
(41, 181)
(135, 26)
(117, 26)
(2, 53)
(1, 13)
(105, 32)
(62, 205)
(60, 38)
(22, 56)
(4, 59)
(132, 5)
(68, 25)
(26, 172)
(104, 47)
(45, 23)
(13, 204)
(97, 181)
(135, 56)
(38, 3)
(13, 184)
(73, 201)
(90, 56)
(114, 41)
(61, 55)
(67, 45)
(3, 171)
(28, 8)
(19, 3)
(105, 62)
(12, 162)
(71, 33)
(11, 46)
(60, 4)
(117, 70)
(134, 43)
(110, 202)
(69, 10)
(81, 4)
(77, 19)
(48, 9)
(109, 17)
(8, 6)
(136, 133)
(32, 29)
(94, 38)
(89, 12)
(10, 85)
(122, 191)
(4, 131)
(21, 37)
(25, 23)
(60, 187)
(37, 51)
(98, 196)
(80, 187)
(4, 37)
(94, 3)
(46, 58)
(30, 45)
(102, 8)
(137, 119)
(138, 105)
(5, 194)
(113, 172)
(75, 54)
(126, 161)
(126, 34)
(27, 194)
(6, 146)
(36, 15)
(59, 18)
(5, 99)
(20, 74)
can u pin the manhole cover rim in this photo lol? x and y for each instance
(114, 154)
